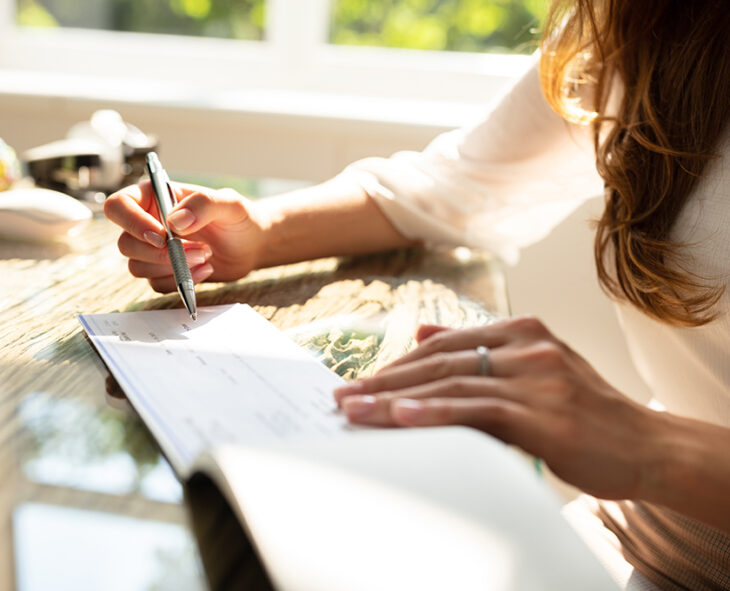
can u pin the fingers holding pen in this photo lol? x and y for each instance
(206, 206)
(139, 250)
(167, 283)
(133, 209)
(153, 264)
(155, 270)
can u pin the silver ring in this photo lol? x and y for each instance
(484, 363)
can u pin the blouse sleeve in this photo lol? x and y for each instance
(500, 184)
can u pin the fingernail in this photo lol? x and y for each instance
(201, 273)
(196, 257)
(348, 390)
(359, 407)
(408, 410)
(206, 250)
(154, 238)
(181, 219)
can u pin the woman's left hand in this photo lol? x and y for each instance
(538, 394)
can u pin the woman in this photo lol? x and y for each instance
(638, 97)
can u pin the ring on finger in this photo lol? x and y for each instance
(485, 364)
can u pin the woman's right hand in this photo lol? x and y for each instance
(222, 233)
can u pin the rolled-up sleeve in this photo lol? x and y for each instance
(500, 184)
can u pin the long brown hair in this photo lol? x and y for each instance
(673, 58)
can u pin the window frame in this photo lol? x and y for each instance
(295, 55)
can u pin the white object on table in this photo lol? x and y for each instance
(40, 214)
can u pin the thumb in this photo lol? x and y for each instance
(205, 206)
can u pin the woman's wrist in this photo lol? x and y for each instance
(659, 458)
(268, 251)
(687, 470)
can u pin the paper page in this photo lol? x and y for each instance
(229, 377)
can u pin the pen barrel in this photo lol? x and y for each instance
(164, 197)
(179, 263)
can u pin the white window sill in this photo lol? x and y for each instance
(31, 85)
(272, 132)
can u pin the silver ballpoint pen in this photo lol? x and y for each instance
(165, 198)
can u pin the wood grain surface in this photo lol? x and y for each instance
(61, 441)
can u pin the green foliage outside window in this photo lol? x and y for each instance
(448, 25)
(229, 19)
(451, 25)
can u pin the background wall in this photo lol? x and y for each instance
(241, 141)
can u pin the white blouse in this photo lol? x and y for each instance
(506, 182)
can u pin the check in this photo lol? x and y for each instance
(230, 377)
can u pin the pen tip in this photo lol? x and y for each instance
(194, 316)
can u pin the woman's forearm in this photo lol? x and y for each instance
(334, 218)
(691, 474)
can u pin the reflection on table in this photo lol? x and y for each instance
(87, 502)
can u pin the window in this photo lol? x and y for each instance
(275, 88)
(228, 19)
(497, 26)
(500, 26)
(355, 47)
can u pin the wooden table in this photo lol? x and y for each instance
(84, 488)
